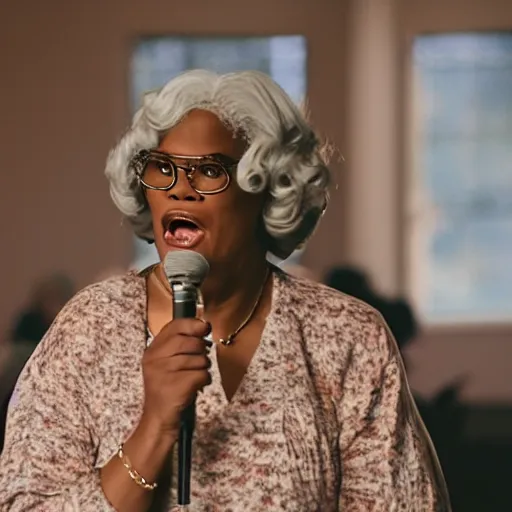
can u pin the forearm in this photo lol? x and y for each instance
(148, 450)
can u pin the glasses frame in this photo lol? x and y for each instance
(141, 159)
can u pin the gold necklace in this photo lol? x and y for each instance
(166, 289)
(231, 338)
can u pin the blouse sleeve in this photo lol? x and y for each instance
(388, 460)
(47, 463)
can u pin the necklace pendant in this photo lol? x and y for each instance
(226, 342)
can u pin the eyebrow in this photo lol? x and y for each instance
(221, 157)
(225, 158)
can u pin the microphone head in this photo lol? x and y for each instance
(185, 266)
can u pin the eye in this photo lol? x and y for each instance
(211, 170)
(164, 168)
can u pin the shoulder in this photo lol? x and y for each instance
(325, 301)
(336, 320)
(106, 299)
(114, 290)
(97, 318)
(101, 329)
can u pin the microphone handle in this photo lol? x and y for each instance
(185, 306)
(185, 453)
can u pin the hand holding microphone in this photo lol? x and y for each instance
(175, 367)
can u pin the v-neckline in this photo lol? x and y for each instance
(257, 358)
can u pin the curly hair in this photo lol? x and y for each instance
(283, 158)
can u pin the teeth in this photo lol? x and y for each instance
(173, 223)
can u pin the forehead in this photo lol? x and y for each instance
(202, 133)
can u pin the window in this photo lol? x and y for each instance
(156, 60)
(460, 193)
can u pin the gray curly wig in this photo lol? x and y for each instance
(283, 157)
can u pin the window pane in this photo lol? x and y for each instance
(156, 60)
(464, 170)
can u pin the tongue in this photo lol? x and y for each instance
(183, 235)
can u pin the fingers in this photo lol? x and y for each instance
(200, 379)
(176, 346)
(188, 327)
(183, 372)
(193, 382)
(181, 328)
(184, 363)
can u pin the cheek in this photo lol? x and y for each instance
(241, 214)
(156, 206)
(251, 206)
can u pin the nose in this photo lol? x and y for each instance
(182, 189)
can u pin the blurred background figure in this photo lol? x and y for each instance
(48, 297)
(397, 312)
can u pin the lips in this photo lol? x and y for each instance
(182, 230)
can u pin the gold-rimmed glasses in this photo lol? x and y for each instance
(209, 174)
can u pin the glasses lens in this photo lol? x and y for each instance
(209, 177)
(158, 173)
(204, 175)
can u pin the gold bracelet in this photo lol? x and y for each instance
(134, 475)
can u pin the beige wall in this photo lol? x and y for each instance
(64, 101)
(378, 160)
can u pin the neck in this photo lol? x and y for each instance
(231, 291)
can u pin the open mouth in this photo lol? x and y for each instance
(182, 230)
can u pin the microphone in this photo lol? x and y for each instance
(185, 271)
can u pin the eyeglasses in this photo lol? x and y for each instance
(206, 174)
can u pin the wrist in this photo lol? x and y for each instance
(128, 479)
(154, 428)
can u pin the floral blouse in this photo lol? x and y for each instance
(322, 421)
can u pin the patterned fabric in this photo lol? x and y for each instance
(322, 421)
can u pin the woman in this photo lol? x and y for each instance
(304, 407)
